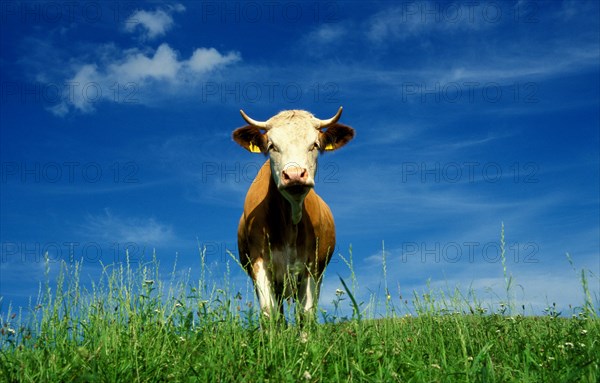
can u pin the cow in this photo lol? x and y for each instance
(286, 235)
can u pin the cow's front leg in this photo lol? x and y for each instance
(308, 295)
(264, 289)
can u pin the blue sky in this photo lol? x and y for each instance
(116, 121)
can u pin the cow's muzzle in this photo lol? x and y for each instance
(295, 181)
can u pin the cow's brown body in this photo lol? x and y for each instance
(291, 253)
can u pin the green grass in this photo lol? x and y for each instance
(131, 326)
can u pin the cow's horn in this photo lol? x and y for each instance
(258, 124)
(332, 120)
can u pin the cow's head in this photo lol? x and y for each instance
(293, 140)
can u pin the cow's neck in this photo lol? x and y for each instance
(296, 211)
(290, 212)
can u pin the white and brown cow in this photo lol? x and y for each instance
(286, 234)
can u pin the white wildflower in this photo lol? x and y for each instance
(303, 337)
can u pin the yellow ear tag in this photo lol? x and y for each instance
(329, 147)
(253, 148)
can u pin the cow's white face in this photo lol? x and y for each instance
(292, 145)
(293, 140)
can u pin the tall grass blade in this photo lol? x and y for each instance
(355, 308)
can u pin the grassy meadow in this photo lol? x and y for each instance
(133, 326)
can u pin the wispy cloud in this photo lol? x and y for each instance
(535, 283)
(418, 18)
(326, 34)
(400, 38)
(142, 231)
(152, 24)
(522, 64)
(324, 41)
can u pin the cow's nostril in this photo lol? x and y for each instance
(294, 175)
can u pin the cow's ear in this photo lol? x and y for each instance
(251, 138)
(336, 136)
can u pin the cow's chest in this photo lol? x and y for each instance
(288, 267)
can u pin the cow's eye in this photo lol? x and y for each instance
(315, 146)
(271, 147)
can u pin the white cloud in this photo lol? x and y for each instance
(141, 72)
(84, 77)
(137, 75)
(205, 59)
(136, 67)
(152, 24)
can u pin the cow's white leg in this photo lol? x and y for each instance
(308, 295)
(266, 297)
